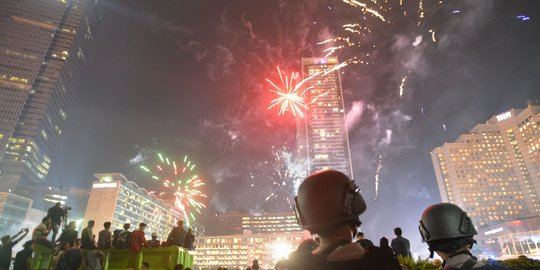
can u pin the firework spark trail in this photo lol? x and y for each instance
(182, 183)
(364, 7)
(401, 86)
(377, 175)
(286, 176)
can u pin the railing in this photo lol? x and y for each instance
(163, 258)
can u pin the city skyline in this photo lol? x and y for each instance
(159, 78)
(46, 45)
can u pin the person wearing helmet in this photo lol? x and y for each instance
(449, 232)
(328, 205)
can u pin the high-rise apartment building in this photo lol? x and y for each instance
(322, 139)
(43, 47)
(493, 172)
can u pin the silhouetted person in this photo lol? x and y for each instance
(177, 234)
(57, 214)
(72, 258)
(69, 234)
(329, 204)
(188, 241)
(23, 257)
(154, 242)
(6, 250)
(384, 252)
(400, 244)
(255, 265)
(105, 236)
(122, 241)
(88, 240)
(449, 232)
(361, 240)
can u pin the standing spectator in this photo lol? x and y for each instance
(57, 213)
(88, 239)
(122, 241)
(137, 239)
(69, 234)
(188, 241)
(8, 242)
(23, 257)
(384, 252)
(361, 240)
(154, 243)
(400, 244)
(255, 265)
(72, 258)
(105, 236)
(177, 234)
(42, 230)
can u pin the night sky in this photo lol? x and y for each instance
(188, 77)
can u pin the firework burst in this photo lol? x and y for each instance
(290, 94)
(285, 177)
(183, 186)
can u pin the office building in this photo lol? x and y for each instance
(239, 250)
(235, 223)
(116, 199)
(43, 48)
(493, 172)
(322, 139)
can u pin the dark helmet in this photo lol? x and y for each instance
(445, 221)
(327, 199)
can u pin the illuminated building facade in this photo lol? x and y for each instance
(43, 48)
(322, 139)
(493, 172)
(114, 198)
(239, 250)
(13, 209)
(235, 223)
(511, 239)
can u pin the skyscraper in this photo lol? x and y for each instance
(493, 172)
(322, 139)
(43, 47)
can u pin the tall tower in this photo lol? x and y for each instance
(493, 172)
(322, 139)
(43, 47)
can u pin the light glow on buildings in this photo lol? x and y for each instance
(116, 199)
(322, 139)
(493, 172)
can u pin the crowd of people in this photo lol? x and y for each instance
(328, 205)
(69, 246)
